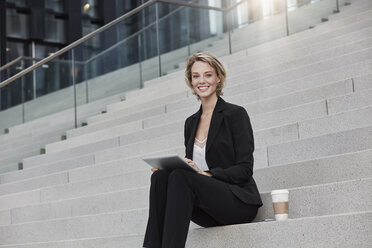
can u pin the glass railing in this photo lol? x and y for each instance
(151, 41)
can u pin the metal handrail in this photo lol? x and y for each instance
(14, 61)
(105, 27)
(20, 58)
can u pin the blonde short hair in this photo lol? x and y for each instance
(213, 62)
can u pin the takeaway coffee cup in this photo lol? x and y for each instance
(280, 203)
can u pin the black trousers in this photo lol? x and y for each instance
(178, 196)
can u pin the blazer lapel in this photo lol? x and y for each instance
(193, 127)
(216, 121)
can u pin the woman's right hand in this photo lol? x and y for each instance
(154, 169)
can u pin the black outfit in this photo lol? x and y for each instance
(230, 196)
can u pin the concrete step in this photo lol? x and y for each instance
(34, 183)
(344, 230)
(123, 108)
(320, 200)
(271, 119)
(336, 123)
(248, 64)
(330, 76)
(18, 158)
(350, 101)
(34, 136)
(258, 58)
(9, 167)
(308, 37)
(16, 151)
(330, 90)
(120, 120)
(303, 60)
(92, 137)
(70, 153)
(309, 128)
(307, 70)
(321, 146)
(73, 163)
(301, 43)
(262, 120)
(299, 73)
(354, 8)
(348, 167)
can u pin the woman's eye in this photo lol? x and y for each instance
(209, 75)
(195, 76)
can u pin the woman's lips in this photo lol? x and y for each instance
(203, 88)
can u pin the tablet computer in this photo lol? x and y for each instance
(169, 162)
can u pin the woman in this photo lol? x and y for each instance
(219, 144)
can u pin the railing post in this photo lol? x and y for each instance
(34, 71)
(229, 27)
(188, 32)
(74, 84)
(23, 92)
(140, 59)
(286, 16)
(157, 35)
(337, 6)
(86, 82)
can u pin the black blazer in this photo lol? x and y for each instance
(229, 148)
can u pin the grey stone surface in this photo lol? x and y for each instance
(120, 223)
(137, 115)
(74, 152)
(96, 186)
(5, 217)
(289, 115)
(122, 108)
(349, 166)
(19, 199)
(354, 8)
(93, 137)
(89, 205)
(8, 168)
(141, 148)
(276, 135)
(316, 147)
(345, 230)
(106, 169)
(116, 121)
(320, 171)
(350, 101)
(319, 200)
(363, 82)
(317, 79)
(295, 98)
(25, 147)
(34, 183)
(336, 123)
(245, 64)
(50, 168)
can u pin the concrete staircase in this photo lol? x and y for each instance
(309, 97)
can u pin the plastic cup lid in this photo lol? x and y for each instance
(280, 191)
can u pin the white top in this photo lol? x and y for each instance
(198, 157)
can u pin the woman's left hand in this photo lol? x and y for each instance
(190, 162)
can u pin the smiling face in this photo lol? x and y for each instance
(204, 80)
